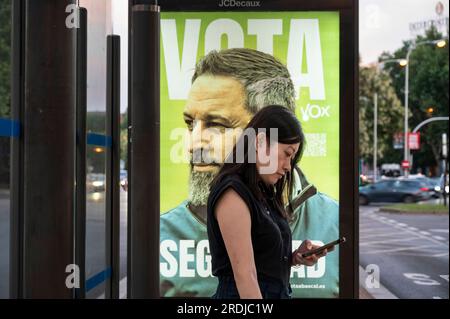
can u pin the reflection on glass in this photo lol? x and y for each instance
(95, 217)
(4, 216)
(99, 26)
(5, 113)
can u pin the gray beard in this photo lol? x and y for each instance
(199, 183)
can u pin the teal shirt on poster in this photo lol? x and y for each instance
(185, 262)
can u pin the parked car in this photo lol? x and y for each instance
(433, 184)
(444, 188)
(391, 170)
(399, 190)
(95, 182)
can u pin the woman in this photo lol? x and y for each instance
(248, 224)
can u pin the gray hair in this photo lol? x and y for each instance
(265, 79)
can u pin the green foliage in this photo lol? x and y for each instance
(390, 115)
(5, 57)
(416, 208)
(428, 87)
(5, 85)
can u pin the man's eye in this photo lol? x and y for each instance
(189, 124)
(216, 124)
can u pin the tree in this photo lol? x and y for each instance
(428, 87)
(124, 138)
(390, 115)
(5, 89)
(5, 57)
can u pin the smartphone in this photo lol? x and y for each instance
(322, 248)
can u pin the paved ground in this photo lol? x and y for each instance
(411, 251)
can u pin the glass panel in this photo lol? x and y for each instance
(123, 226)
(95, 214)
(4, 216)
(99, 26)
(100, 23)
(120, 27)
(5, 111)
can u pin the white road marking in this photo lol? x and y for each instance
(435, 245)
(418, 235)
(436, 230)
(369, 243)
(412, 254)
(440, 255)
(362, 238)
(397, 249)
(422, 279)
(372, 229)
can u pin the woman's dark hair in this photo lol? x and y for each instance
(289, 132)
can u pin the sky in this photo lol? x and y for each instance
(383, 26)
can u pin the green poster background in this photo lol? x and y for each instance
(320, 162)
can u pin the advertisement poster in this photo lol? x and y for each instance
(307, 45)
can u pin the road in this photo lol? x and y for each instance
(410, 250)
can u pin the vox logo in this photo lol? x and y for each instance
(313, 111)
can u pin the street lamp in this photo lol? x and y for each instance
(405, 63)
(401, 62)
(375, 115)
(440, 44)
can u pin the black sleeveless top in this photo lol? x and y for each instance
(270, 234)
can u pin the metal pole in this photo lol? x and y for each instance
(17, 148)
(433, 119)
(375, 137)
(406, 139)
(129, 109)
(80, 202)
(144, 213)
(43, 233)
(112, 232)
(445, 156)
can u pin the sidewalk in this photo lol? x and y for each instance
(364, 294)
(374, 293)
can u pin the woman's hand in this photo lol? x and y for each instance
(306, 246)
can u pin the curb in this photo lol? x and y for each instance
(380, 292)
(398, 211)
(374, 293)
